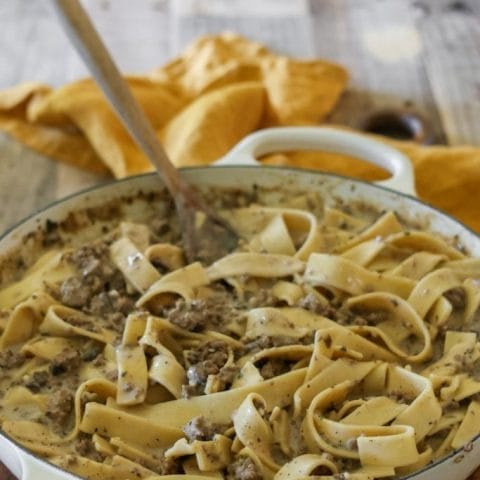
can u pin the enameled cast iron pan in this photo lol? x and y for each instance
(239, 169)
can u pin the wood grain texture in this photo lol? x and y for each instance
(27, 181)
(451, 38)
(284, 25)
(35, 48)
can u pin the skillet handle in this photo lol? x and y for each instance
(327, 139)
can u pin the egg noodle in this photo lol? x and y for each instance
(330, 347)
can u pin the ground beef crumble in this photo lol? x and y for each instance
(199, 315)
(74, 292)
(207, 359)
(169, 466)
(192, 316)
(9, 359)
(67, 360)
(92, 351)
(262, 298)
(264, 342)
(98, 287)
(36, 380)
(345, 316)
(60, 406)
(274, 367)
(227, 374)
(85, 447)
(243, 468)
(91, 259)
(199, 428)
(313, 304)
(161, 466)
(215, 351)
(113, 307)
(111, 302)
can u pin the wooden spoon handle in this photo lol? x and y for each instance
(90, 46)
(207, 240)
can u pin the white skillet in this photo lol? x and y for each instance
(238, 169)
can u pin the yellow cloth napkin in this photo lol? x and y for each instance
(202, 103)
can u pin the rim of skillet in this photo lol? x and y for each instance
(111, 183)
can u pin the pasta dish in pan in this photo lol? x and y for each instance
(328, 345)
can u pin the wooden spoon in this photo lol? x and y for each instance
(206, 236)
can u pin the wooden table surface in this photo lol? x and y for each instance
(421, 54)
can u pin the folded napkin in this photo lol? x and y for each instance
(202, 103)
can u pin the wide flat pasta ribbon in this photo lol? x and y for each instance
(103, 388)
(288, 292)
(286, 352)
(47, 348)
(132, 380)
(67, 322)
(25, 319)
(341, 370)
(364, 252)
(290, 322)
(49, 268)
(218, 407)
(470, 426)
(425, 411)
(283, 231)
(254, 265)
(375, 445)
(404, 321)
(168, 255)
(120, 467)
(253, 430)
(210, 456)
(164, 368)
(304, 466)
(384, 226)
(453, 361)
(417, 265)
(333, 271)
(133, 264)
(337, 341)
(98, 418)
(422, 241)
(183, 283)
(430, 288)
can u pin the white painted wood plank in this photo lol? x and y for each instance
(234, 8)
(29, 52)
(284, 26)
(34, 47)
(381, 46)
(137, 33)
(70, 179)
(27, 182)
(452, 58)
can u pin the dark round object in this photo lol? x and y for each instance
(400, 125)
